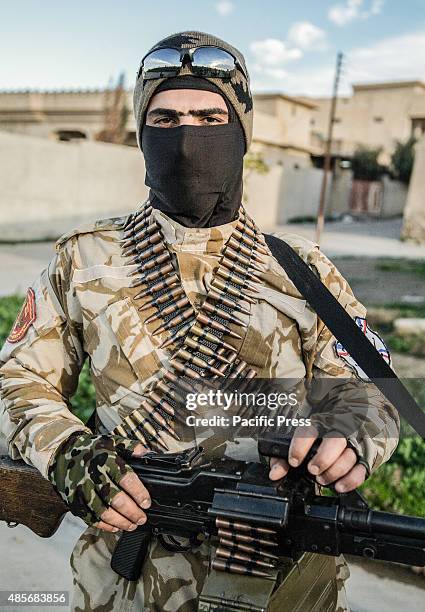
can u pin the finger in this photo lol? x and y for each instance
(132, 485)
(115, 519)
(326, 455)
(139, 450)
(345, 462)
(278, 468)
(128, 508)
(301, 444)
(105, 527)
(352, 480)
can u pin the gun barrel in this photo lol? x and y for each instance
(373, 521)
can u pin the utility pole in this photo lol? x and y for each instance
(328, 147)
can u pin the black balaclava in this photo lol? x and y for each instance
(195, 172)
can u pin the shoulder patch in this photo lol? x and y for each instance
(25, 318)
(373, 338)
(109, 224)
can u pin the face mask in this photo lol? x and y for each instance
(195, 172)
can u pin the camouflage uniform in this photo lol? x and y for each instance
(84, 308)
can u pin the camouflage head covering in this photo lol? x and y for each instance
(236, 89)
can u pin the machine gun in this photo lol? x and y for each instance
(258, 521)
(259, 524)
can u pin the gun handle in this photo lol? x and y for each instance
(130, 552)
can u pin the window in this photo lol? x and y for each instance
(70, 135)
(418, 127)
(378, 119)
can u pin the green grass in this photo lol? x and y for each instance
(403, 266)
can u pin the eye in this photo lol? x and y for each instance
(213, 119)
(165, 121)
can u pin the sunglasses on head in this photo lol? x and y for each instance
(204, 61)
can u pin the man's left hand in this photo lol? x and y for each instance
(334, 462)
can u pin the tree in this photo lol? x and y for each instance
(365, 164)
(402, 160)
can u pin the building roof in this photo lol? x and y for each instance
(388, 85)
(293, 99)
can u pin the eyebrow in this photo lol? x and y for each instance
(173, 114)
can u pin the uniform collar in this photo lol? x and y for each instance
(200, 240)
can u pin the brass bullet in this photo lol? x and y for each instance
(182, 332)
(189, 358)
(157, 261)
(218, 326)
(202, 333)
(245, 527)
(250, 242)
(235, 568)
(151, 276)
(158, 418)
(237, 246)
(245, 261)
(220, 297)
(238, 546)
(226, 288)
(161, 402)
(185, 370)
(165, 297)
(145, 423)
(234, 267)
(138, 216)
(247, 539)
(171, 280)
(176, 320)
(178, 381)
(168, 310)
(168, 391)
(227, 316)
(224, 553)
(204, 349)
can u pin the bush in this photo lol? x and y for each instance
(365, 164)
(402, 160)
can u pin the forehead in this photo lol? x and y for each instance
(187, 99)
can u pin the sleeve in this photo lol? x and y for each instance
(40, 364)
(344, 399)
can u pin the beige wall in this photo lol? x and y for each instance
(414, 214)
(46, 188)
(374, 116)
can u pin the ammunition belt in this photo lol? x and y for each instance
(197, 340)
(244, 549)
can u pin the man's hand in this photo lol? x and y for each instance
(333, 462)
(97, 484)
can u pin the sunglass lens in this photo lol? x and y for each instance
(212, 61)
(161, 60)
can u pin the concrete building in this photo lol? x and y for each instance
(376, 115)
(281, 130)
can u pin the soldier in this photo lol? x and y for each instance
(181, 289)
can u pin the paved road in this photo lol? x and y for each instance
(43, 564)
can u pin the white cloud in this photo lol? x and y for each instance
(224, 8)
(391, 59)
(306, 35)
(341, 14)
(273, 52)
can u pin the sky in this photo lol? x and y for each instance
(289, 46)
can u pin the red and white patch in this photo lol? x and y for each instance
(25, 318)
(373, 338)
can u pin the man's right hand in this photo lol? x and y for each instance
(97, 484)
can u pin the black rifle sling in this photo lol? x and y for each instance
(345, 329)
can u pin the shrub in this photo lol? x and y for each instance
(402, 160)
(365, 164)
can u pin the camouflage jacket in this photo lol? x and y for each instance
(83, 308)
